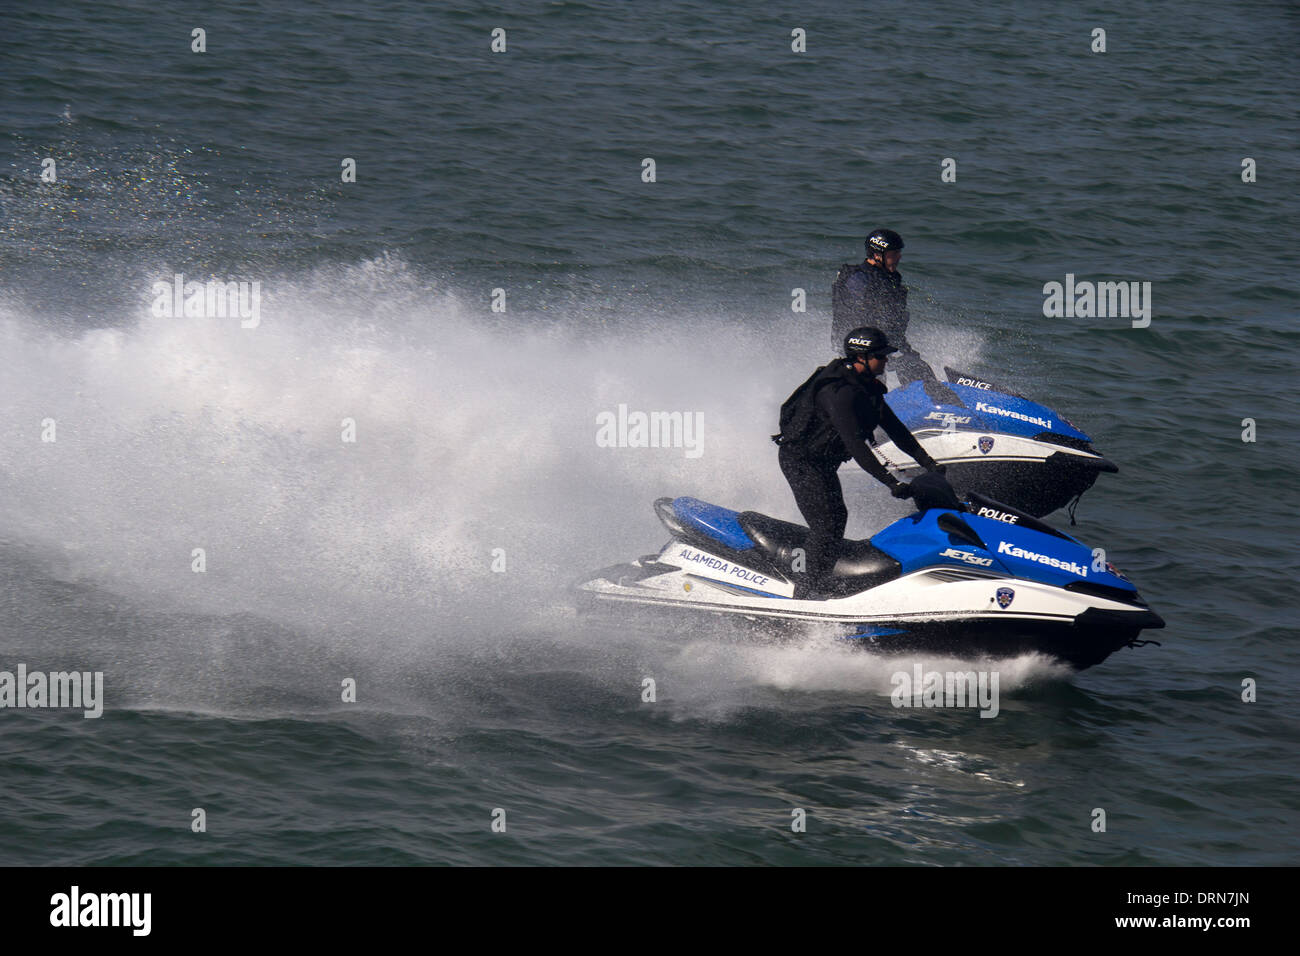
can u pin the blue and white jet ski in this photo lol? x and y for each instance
(995, 443)
(983, 580)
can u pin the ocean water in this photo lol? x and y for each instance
(482, 694)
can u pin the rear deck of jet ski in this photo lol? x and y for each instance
(860, 565)
(768, 544)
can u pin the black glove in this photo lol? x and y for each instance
(901, 490)
(941, 469)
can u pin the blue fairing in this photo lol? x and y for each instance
(918, 542)
(718, 523)
(986, 411)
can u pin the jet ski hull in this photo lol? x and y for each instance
(1032, 476)
(1076, 632)
(1085, 642)
(995, 443)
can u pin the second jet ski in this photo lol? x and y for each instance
(995, 443)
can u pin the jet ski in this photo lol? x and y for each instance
(995, 443)
(981, 578)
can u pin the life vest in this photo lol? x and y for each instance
(838, 304)
(802, 426)
(885, 306)
(841, 311)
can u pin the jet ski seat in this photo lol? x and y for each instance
(860, 566)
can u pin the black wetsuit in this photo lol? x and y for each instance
(832, 417)
(867, 294)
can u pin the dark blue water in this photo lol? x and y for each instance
(372, 561)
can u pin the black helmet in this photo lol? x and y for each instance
(883, 240)
(866, 340)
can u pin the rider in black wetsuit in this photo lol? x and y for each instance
(828, 420)
(872, 293)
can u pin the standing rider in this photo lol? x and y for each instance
(872, 293)
(825, 422)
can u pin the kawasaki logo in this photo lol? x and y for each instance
(994, 410)
(966, 556)
(1006, 547)
(999, 515)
